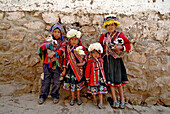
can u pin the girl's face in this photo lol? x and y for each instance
(110, 28)
(74, 41)
(95, 54)
(57, 33)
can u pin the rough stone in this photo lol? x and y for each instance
(33, 61)
(4, 25)
(6, 72)
(32, 45)
(15, 15)
(164, 59)
(4, 45)
(98, 19)
(15, 35)
(154, 71)
(18, 48)
(133, 69)
(165, 98)
(83, 21)
(137, 85)
(153, 60)
(50, 17)
(87, 29)
(37, 13)
(136, 57)
(1, 15)
(163, 81)
(27, 74)
(35, 25)
(24, 60)
(3, 89)
(68, 19)
(151, 100)
(2, 34)
(148, 46)
(20, 22)
(39, 69)
(133, 98)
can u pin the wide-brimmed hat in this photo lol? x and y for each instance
(110, 19)
(73, 34)
(95, 47)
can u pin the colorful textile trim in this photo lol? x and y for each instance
(78, 71)
(98, 74)
(111, 21)
(116, 85)
(110, 44)
(94, 90)
(74, 87)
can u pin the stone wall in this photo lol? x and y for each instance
(147, 63)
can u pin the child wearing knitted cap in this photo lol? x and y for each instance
(51, 51)
(76, 56)
(95, 75)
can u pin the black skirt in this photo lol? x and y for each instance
(115, 71)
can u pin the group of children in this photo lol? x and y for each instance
(100, 66)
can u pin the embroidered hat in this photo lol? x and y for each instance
(110, 19)
(73, 33)
(57, 25)
(95, 47)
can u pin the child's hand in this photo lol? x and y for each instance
(81, 64)
(64, 72)
(50, 53)
(88, 82)
(118, 48)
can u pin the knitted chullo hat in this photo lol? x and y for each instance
(110, 19)
(95, 47)
(55, 26)
(73, 34)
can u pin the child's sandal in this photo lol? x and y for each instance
(71, 102)
(115, 105)
(100, 105)
(122, 105)
(79, 102)
(95, 103)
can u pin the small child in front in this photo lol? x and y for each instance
(94, 74)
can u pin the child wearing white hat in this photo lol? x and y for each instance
(94, 74)
(76, 57)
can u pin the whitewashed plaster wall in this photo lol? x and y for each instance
(90, 6)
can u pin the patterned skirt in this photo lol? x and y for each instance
(115, 71)
(71, 82)
(94, 90)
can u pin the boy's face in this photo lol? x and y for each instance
(95, 54)
(56, 33)
(110, 28)
(74, 41)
